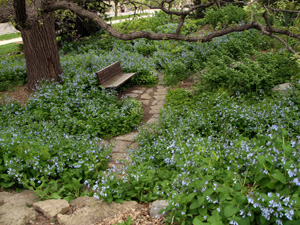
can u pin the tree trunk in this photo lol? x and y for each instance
(41, 51)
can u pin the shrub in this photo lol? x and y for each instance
(248, 76)
(225, 16)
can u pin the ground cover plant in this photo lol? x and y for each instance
(218, 159)
(12, 73)
(219, 155)
(51, 144)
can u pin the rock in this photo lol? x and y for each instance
(91, 211)
(119, 156)
(127, 137)
(132, 95)
(145, 96)
(121, 146)
(154, 107)
(159, 97)
(14, 208)
(149, 90)
(152, 120)
(282, 87)
(145, 102)
(154, 111)
(138, 91)
(161, 103)
(157, 206)
(193, 78)
(50, 208)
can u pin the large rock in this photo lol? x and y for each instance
(15, 208)
(156, 207)
(281, 87)
(90, 211)
(50, 208)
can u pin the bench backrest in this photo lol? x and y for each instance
(108, 72)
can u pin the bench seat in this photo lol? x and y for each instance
(113, 76)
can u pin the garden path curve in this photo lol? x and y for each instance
(24, 209)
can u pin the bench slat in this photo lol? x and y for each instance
(117, 80)
(112, 76)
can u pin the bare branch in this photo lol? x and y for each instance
(285, 44)
(167, 11)
(180, 24)
(282, 10)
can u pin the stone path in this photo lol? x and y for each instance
(153, 99)
(24, 209)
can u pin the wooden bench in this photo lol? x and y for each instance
(113, 76)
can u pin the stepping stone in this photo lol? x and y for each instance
(154, 107)
(119, 156)
(152, 120)
(154, 102)
(162, 103)
(145, 102)
(161, 92)
(127, 137)
(159, 97)
(149, 90)
(156, 115)
(154, 111)
(133, 146)
(120, 146)
(131, 95)
(138, 91)
(50, 208)
(145, 96)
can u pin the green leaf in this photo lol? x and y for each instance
(261, 159)
(197, 221)
(55, 196)
(230, 211)
(243, 221)
(195, 204)
(215, 219)
(279, 176)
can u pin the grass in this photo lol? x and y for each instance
(10, 48)
(9, 36)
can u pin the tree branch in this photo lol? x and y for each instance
(282, 10)
(180, 24)
(167, 11)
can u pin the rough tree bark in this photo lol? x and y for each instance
(39, 41)
(41, 51)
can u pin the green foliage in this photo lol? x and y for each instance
(12, 73)
(54, 140)
(225, 16)
(152, 23)
(220, 160)
(247, 76)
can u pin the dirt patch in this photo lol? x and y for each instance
(19, 94)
